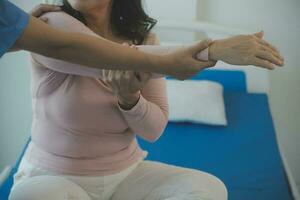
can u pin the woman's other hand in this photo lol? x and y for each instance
(41, 9)
(126, 85)
(246, 50)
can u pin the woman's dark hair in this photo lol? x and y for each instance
(128, 19)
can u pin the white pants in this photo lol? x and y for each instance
(145, 180)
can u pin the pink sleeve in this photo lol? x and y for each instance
(149, 117)
(203, 55)
(65, 22)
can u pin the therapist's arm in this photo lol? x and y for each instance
(37, 12)
(40, 38)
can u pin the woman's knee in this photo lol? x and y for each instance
(190, 185)
(48, 188)
(213, 185)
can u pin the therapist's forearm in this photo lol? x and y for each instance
(109, 55)
(86, 50)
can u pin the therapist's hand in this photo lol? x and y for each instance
(184, 63)
(41, 9)
(246, 50)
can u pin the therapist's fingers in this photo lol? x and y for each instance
(44, 8)
(200, 46)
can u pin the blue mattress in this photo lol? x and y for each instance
(244, 154)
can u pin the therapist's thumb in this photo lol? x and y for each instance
(200, 46)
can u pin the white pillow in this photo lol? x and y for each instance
(196, 102)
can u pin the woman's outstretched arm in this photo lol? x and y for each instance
(246, 50)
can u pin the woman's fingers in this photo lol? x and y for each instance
(270, 57)
(128, 75)
(105, 75)
(118, 75)
(263, 63)
(138, 76)
(268, 46)
(130, 82)
(268, 49)
(263, 42)
(275, 54)
(142, 76)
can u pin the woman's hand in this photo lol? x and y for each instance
(41, 9)
(126, 85)
(246, 50)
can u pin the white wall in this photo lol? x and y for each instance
(280, 21)
(166, 9)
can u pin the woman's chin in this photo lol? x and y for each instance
(86, 5)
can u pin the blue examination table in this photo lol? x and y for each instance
(244, 154)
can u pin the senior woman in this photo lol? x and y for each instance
(85, 122)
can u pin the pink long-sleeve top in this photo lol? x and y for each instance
(78, 127)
